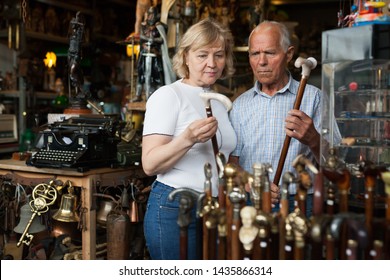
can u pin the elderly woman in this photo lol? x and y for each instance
(176, 136)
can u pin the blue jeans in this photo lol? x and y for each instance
(162, 232)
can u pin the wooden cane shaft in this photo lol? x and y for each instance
(318, 200)
(377, 251)
(282, 238)
(266, 202)
(288, 249)
(388, 209)
(316, 250)
(369, 200)
(264, 249)
(299, 252)
(229, 224)
(343, 203)
(205, 240)
(287, 140)
(352, 248)
(222, 195)
(301, 200)
(284, 208)
(330, 200)
(343, 242)
(183, 243)
(222, 248)
(256, 249)
(274, 246)
(236, 245)
(330, 247)
(209, 113)
(343, 185)
(282, 159)
(212, 244)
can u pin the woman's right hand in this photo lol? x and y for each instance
(200, 131)
(161, 152)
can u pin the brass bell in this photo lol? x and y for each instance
(25, 216)
(68, 208)
(106, 206)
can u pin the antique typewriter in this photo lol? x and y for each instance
(79, 142)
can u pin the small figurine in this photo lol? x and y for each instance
(248, 231)
(349, 20)
(154, 66)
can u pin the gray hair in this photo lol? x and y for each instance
(285, 41)
(204, 33)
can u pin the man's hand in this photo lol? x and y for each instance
(301, 127)
(275, 194)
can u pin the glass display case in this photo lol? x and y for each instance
(356, 87)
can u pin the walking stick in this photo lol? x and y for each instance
(264, 170)
(331, 171)
(263, 219)
(358, 238)
(230, 173)
(318, 194)
(307, 65)
(187, 198)
(237, 197)
(338, 174)
(297, 223)
(287, 179)
(370, 174)
(208, 210)
(221, 162)
(386, 179)
(263, 222)
(338, 229)
(207, 97)
(222, 233)
(319, 226)
(274, 236)
(222, 220)
(304, 180)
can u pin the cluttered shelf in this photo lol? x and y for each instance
(18, 171)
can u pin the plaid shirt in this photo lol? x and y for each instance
(259, 122)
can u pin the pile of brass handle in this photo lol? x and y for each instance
(333, 231)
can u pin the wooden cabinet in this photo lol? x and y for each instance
(19, 172)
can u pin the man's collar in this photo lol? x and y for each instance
(288, 87)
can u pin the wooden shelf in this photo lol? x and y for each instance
(137, 106)
(38, 94)
(66, 6)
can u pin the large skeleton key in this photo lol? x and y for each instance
(43, 196)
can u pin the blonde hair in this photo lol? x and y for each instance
(204, 33)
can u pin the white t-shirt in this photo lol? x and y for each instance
(169, 111)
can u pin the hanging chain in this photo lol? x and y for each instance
(24, 10)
